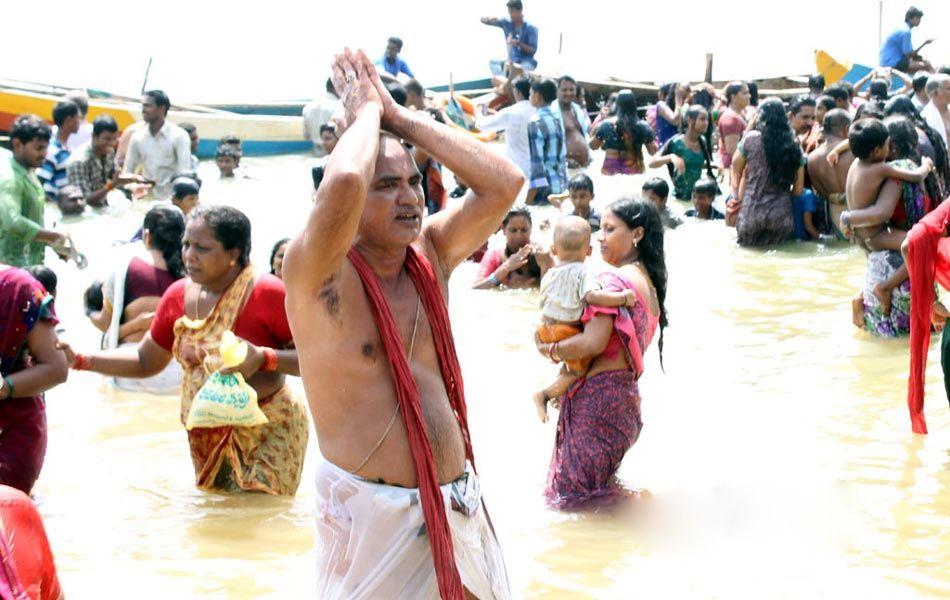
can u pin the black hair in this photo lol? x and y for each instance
(816, 82)
(230, 226)
(397, 91)
(826, 102)
(92, 298)
(436, 114)
(783, 154)
(658, 186)
(329, 86)
(516, 211)
(564, 78)
(706, 186)
(732, 89)
(183, 186)
(515, 4)
(273, 253)
(848, 87)
(64, 110)
(193, 175)
(664, 90)
(395, 40)
(903, 136)
(166, 226)
(912, 13)
(873, 109)
(753, 93)
(160, 98)
(920, 81)
(414, 87)
(547, 89)
(838, 93)
(328, 128)
(878, 88)
(227, 150)
(104, 123)
(796, 104)
(80, 99)
(523, 85)
(581, 182)
(45, 276)
(640, 213)
(836, 119)
(865, 136)
(692, 113)
(628, 122)
(316, 173)
(27, 128)
(189, 127)
(901, 105)
(944, 70)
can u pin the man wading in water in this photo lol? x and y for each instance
(366, 284)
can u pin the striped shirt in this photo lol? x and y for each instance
(53, 173)
(548, 151)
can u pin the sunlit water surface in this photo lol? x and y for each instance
(776, 459)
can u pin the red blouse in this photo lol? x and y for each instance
(262, 322)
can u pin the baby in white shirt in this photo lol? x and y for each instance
(566, 290)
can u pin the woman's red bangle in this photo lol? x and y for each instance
(82, 363)
(270, 360)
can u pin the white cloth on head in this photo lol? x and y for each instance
(514, 121)
(371, 540)
(563, 289)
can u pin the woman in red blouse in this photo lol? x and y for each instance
(222, 293)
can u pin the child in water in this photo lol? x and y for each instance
(565, 291)
(870, 142)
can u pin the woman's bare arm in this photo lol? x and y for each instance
(144, 360)
(49, 369)
(591, 342)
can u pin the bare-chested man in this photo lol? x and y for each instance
(373, 538)
(828, 181)
(574, 120)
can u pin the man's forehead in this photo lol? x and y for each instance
(393, 159)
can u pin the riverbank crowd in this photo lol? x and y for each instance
(360, 292)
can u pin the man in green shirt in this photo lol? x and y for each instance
(22, 200)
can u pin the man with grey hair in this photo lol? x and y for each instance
(935, 113)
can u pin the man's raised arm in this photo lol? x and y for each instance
(316, 253)
(493, 180)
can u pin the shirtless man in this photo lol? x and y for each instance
(369, 515)
(575, 122)
(828, 181)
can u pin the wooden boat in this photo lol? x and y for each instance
(259, 134)
(835, 71)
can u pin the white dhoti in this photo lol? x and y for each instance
(372, 543)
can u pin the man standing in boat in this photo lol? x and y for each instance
(898, 51)
(160, 150)
(390, 62)
(399, 511)
(521, 36)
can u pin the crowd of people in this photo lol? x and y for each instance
(359, 293)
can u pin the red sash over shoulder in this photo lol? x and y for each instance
(928, 260)
(407, 393)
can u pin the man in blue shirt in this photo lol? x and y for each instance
(898, 52)
(521, 36)
(546, 145)
(390, 62)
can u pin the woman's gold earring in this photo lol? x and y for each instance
(233, 262)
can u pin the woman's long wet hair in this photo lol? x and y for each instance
(901, 105)
(634, 213)
(783, 154)
(166, 226)
(903, 134)
(230, 226)
(628, 122)
(692, 113)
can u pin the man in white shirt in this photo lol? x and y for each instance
(514, 121)
(80, 99)
(935, 113)
(920, 98)
(318, 113)
(159, 150)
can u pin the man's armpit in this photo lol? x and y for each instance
(329, 297)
